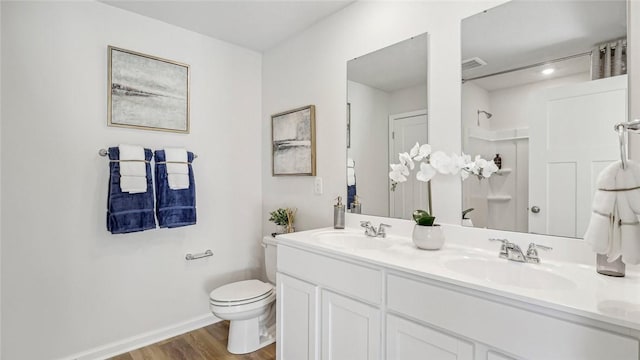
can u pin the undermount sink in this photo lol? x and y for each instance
(504, 272)
(350, 240)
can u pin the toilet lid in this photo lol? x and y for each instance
(240, 291)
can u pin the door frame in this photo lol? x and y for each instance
(392, 156)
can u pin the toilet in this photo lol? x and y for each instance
(249, 305)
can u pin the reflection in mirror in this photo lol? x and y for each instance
(543, 84)
(387, 114)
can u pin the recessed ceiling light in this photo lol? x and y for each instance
(548, 71)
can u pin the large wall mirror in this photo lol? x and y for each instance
(386, 115)
(543, 84)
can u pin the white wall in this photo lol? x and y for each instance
(474, 192)
(369, 146)
(409, 99)
(311, 69)
(67, 284)
(509, 105)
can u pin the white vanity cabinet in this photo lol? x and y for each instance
(327, 308)
(334, 307)
(409, 340)
(297, 324)
(350, 329)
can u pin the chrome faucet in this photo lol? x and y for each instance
(371, 231)
(513, 252)
(532, 252)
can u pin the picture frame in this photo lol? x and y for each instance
(293, 138)
(147, 92)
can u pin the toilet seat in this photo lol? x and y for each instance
(240, 293)
(229, 310)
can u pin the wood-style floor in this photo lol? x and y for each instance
(207, 343)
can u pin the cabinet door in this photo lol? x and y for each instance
(492, 355)
(297, 319)
(407, 340)
(350, 329)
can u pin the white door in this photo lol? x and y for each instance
(404, 131)
(350, 329)
(407, 340)
(571, 141)
(297, 313)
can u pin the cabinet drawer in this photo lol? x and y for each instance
(355, 280)
(517, 331)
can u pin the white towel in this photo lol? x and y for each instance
(351, 177)
(133, 170)
(133, 184)
(614, 229)
(350, 163)
(177, 169)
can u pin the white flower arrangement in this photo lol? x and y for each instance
(439, 162)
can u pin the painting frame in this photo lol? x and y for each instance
(139, 98)
(293, 142)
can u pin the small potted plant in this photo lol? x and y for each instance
(426, 234)
(284, 217)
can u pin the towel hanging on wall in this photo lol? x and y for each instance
(129, 212)
(174, 208)
(614, 228)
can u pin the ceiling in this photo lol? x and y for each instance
(521, 33)
(578, 65)
(256, 24)
(395, 67)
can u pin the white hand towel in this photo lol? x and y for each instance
(351, 176)
(133, 184)
(627, 245)
(177, 168)
(176, 160)
(351, 163)
(617, 234)
(600, 230)
(132, 168)
(178, 181)
(598, 233)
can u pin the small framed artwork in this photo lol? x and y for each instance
(293, 135)
(348, 125)
(147, 92)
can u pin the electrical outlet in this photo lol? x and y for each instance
(317, 186)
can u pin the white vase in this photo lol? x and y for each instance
(428, 237)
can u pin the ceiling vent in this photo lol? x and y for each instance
(472, 63)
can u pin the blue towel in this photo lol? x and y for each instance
(174, 208)
(128, 212)
(351, 195)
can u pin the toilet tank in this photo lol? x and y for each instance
(270, 257)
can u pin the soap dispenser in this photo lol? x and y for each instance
(338, 214)
(356, 205)
(498, 161)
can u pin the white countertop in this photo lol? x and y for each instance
(588, 294)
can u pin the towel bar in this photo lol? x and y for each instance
(105, 152)
(199, 256)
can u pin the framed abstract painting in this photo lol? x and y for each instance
(293, 135)
(147, 92)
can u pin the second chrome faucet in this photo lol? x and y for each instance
(511, 251)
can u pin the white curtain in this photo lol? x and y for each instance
(609, 59)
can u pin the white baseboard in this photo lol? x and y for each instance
(144, 339)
